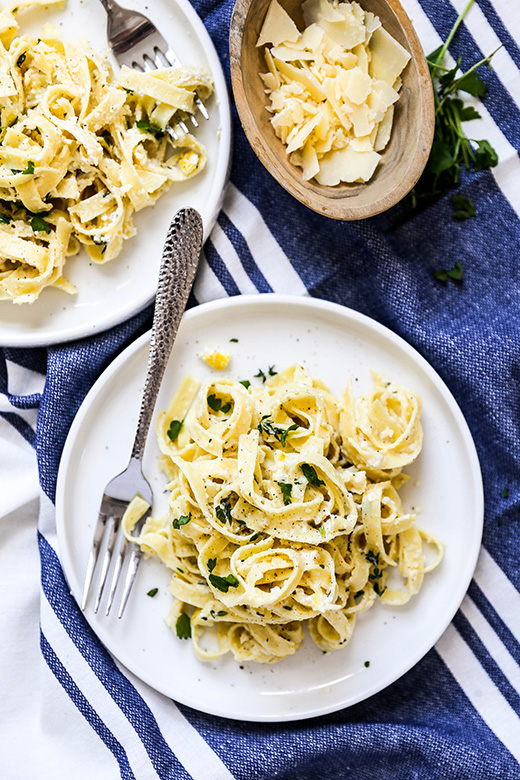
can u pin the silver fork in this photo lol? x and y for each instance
(137, 43)
(178, 266)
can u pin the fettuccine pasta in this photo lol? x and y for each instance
(284, 509)
(81, 151)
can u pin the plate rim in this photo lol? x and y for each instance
(56, 335)
(285, 300)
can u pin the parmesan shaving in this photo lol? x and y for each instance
(332, 88)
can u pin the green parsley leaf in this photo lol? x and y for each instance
(246, 383)
(183, 626)
(223, 583)
(234, 341)
(5, 219)
(223, 511)
(266, 425)
(214, 403)
(182, 520)
(145, 126)
(309, 472)
(153, 592)
(463, 208)
(271, 371)
(30, 168)
(456, 273)
(174, 429)
(21, 59)
(367, 664)
(39, 225)
(485, 156)
(286, 488)
(467, 113)
(261, 375)
(505, 493)
(212, 562)
(471, 83)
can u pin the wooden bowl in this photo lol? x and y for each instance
(405, 156)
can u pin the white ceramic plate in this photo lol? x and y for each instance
(111, 293)
(336, 344)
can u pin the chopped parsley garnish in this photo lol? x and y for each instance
(246, 383)
(452, 149)
(216, 405)
(5, 219)
(376, 573)
(153, 592)
(183, 626)
(174, 429)
(145, 126)
(223, 511)
(223, 583)
(256, 536)
(505, 493)
(286, 488)
(456, 273)
(39, 224)
(309, 472)
(182, 520)
(212, 562)
(266, 425)
(234, 341)
(30, 168)
(106, 139)
(261, 375)
(21, 59)
(463, 208)
(367, 664)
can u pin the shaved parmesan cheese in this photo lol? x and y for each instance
(359, 86)
(389, 58)
(347, 165)
(278, 27)
(332, 88)
(384, 130)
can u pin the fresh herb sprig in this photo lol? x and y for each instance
(452, 150)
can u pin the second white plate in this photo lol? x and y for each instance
(445, 490)
(109, 294)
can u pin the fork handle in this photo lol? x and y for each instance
(178, 266)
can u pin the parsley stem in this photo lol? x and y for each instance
(454, 29)
(454, 85)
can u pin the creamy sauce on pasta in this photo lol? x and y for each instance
(284, 510)
(80, 152)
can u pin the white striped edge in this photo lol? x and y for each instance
(483, 694)
(265, 250)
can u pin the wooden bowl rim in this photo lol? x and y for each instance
(337, 207)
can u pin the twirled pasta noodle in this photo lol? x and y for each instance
(81, 151)
(283, 509)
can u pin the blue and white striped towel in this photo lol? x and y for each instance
(66, 708)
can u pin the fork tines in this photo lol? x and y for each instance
(101, 553)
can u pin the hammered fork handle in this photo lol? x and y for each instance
(173, 289)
